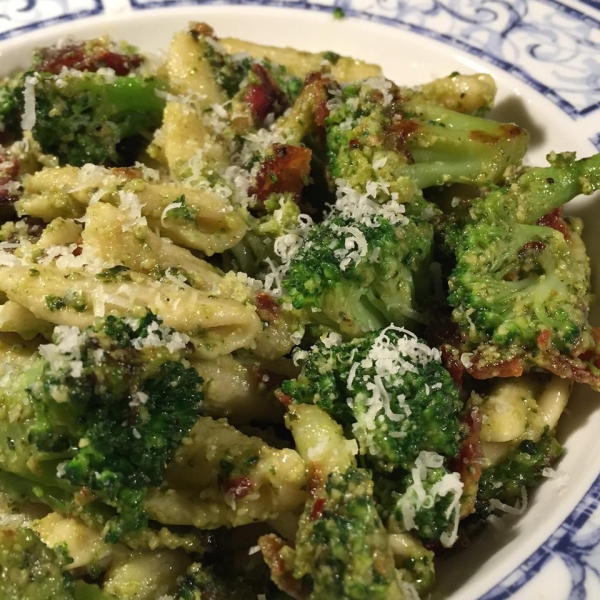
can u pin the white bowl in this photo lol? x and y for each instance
(547, 552)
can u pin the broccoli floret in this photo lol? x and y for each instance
(88, 119)
(29, 570)
(341, 542)
(378, 131)
(389, 390)
(204, 583)
(520, 289)
(356, 277)
(9, 109)
(105, 409)
(425, 502)
(83, 117)
(520, 470)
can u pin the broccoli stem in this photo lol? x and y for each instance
(540, 190)
(451, 147)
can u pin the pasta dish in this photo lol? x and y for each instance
(271, 325)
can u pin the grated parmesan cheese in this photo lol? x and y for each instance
(363, 209)
(130, 204)
(28, 118)
(387, 360)
(417, 497)
(158, 335)
(381, 85)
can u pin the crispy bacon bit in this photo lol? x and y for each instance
(469, 463)
(128, 172)
(9, 172)
(487, 370)
(452, 364)
(315, 90)
(285, 171)
(532, 247)
(354, 144)
(397, 135)
(239, 487)
(271, 546)
(84, 496)
(285, 399)
(267, 307)
(264, 97)
(317, 509)
(543, 340)
(567, 367)
(203, 29)
(82, 57)
(555, 220)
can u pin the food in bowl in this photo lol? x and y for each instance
(271, 325)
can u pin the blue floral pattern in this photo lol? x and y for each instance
(576, 543)
(516, 36)
(554, 48)
(18, 16)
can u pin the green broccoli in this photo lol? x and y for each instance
(29, 570)
(389, 390)
(520, 470)
(100, 414)
(426, 501)
(377, 131)
(358, 274)
(86, 117)
(341, 543)
(9, 109)
(520, 288)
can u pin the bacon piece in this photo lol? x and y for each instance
(267, 307)
(469, 463)
(285, 171)
(315, 86)
(398, 134)
(502, 368)
(203, 29)
(264, 97)
(282, 575)
(543, 340)
(577, 369)
(452, 364)
(317, 508)
(90, 58)
(239, 487)
(532, 247)
(555, 220)
(128, 172)
(285, 399)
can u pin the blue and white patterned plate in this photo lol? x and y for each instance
(545, 56)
